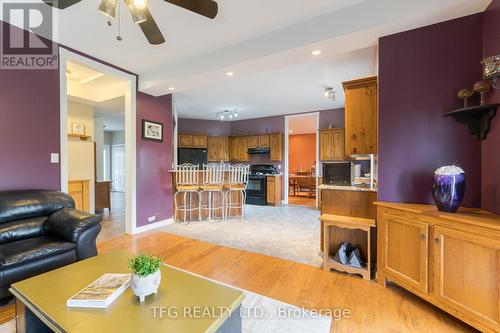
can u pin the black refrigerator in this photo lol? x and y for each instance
(196, 156)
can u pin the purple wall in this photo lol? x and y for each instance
(335, 117)
(154, 160)
(29, 129)
(199, 126)
(491, 157)
(420, 73)
(264, 125)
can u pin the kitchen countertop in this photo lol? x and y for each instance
(346, 188)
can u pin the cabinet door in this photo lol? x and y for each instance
(361, 117)
(338, 144)
(264, 141)
(271, 190)
(242, 144)
(233, 151)
(325, 146)
(252, 141)
(199, 141)
(213, 149)
(185, 141)
(467, 274)
(406, 251)
(276, 147)
(223, 149)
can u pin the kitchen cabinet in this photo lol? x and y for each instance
(331, 144)
(276, 147)
(274, 189)
(450, 260)
(252, 142)
(192, 141)
(238, 149)
(264, 141)
(218, 149)
(361, 114)
(79, 190)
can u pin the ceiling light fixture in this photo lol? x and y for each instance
(316, 52)
(108, 8)
(226, 114)
(230, 74)
(137, 14)
(140, 4)
(330, 94)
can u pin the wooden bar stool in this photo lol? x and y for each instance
(237, 183)
(187, 184)
(344, 224)
(213, 183)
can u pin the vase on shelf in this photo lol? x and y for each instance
(448, 188)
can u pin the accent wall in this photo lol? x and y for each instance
(420, 73)
(302, 152)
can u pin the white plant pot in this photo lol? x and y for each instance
(147, 285)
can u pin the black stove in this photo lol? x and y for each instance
(257, 183)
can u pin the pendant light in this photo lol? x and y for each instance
(108, 7)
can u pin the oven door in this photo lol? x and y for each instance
(256, 190)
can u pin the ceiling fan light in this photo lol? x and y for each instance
(137, 14)
(140, 4)
(108, 8)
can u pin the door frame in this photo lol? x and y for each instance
(66, 55)
(287, 153)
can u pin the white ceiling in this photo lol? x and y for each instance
(111, 111)
(293, 89)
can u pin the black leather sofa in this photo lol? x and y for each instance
(40, 231)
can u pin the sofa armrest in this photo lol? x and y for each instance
(70, 224)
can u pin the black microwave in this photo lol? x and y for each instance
(338, 173)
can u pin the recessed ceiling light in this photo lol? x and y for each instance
(316, 52)
(230, 74)
(171, 88)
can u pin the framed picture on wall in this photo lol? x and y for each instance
(152, 130)
(78, 128)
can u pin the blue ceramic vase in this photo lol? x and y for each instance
(448, 191)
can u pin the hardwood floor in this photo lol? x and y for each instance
(372, 307)
(301, 200)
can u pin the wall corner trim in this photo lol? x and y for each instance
(152, 226)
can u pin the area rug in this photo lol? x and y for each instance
(260, 314)
(288, 232)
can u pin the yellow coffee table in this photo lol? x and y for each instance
(184, 303)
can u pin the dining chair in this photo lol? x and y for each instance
(212, 187)
(237, 183)
(187, 185)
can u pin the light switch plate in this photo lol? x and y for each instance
(54, 158)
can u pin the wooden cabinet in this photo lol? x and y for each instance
(80, 192)
(217, 149)
(361, 114)
(102, 195)
(252, 142)
(331, 144)
(276, 147)
(192, 141)
(467, 274)
(264, 141)
(274, 189)
(238, 149)
(450, 260)
(406, 251)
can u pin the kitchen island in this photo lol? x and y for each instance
(348, 201)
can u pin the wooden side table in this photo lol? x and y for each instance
(343, 226)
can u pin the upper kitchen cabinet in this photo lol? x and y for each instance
(238, 149)
(361, 111)
(264, 141)
(218, 149)
(276, 147)
(192, 141)
(331, 144)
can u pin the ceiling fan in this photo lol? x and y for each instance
(142, 16)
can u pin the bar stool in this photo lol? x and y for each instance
(213, 183)
(186, 177)
(237, 183)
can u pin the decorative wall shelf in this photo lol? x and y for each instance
(82, 137)
(476, 118)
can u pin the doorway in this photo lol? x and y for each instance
(121, 86)
(118, 168)
(301, 165)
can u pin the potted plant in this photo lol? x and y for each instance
(448, 188)
(146, 275)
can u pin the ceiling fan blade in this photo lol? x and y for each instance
(208, 8)
(61, 4)
(151, 29)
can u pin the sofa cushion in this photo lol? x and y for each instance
(21, 229)
(31, 249)
(25, 204)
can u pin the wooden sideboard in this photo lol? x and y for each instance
(103, 195)
(80, 192)
(450, 260)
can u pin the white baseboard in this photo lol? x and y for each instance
(156, 225)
